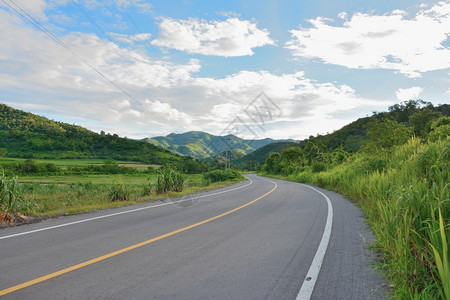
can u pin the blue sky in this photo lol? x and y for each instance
(280, 69)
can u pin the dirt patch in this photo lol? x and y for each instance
(138, 165)
(7, 220)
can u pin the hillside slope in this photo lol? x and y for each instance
(27, 135)
(260, 155)
(352, 136)
(203, 145)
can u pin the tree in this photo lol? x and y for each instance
(385, 134)
(421, 121)
(440, 130)
(272, 164)
(292, 158)
(402, 111)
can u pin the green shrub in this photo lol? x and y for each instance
(8, 194)
(169, 180)
(318, 166)
(221, 175)
(12, 199)
(119, 192)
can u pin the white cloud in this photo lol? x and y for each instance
(142, 5)
(391, 41)
(307, 105)
(409, 94)
(38, 61)
(228, 14)
(342, 15)
(232, 37)
(36, 8)
(130, 39)
(166, 96)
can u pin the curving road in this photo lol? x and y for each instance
(258, 239)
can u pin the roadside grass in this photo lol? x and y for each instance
(42, 196)
(405, 193)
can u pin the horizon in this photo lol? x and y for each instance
(144, 69)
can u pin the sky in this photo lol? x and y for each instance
(279, 69)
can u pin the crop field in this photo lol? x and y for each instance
(65, 191)
(65, 163)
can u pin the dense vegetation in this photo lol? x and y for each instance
(398, 171)
(257, 158)
(27, 135)
(203, 145)
(351, 137)
(221, 175)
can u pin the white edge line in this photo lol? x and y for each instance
(120, 213)
(313, 273)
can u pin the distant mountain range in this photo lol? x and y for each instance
(204, 145)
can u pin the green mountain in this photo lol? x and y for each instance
(26, 135)
(203, 145)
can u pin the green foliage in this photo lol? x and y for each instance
(385, 134)
(439, 244)
(12, 197)
(169, 180)
(222, 175)
(193, 166)
(402, 111)
(421, 121)
(30, 166)
(119, 192)
(260, 155)
(8, 194)
(318, 166)
(272, 164)
(440, 130)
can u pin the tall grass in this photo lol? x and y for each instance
(169, 180)
(13, 198)
(405, 192)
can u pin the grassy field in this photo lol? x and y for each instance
(65, 163)
(41, 195)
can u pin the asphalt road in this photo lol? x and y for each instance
(253, 240)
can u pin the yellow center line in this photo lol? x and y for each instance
(109, 255)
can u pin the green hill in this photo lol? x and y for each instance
(352, 136)
(203, 145)
(26, 135)
(260, 155)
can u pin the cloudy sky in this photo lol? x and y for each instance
(280, 69)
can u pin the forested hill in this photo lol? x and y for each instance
(260, 155)
(203, 145)
(414, 114)
(27, 135)
(352, 136)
